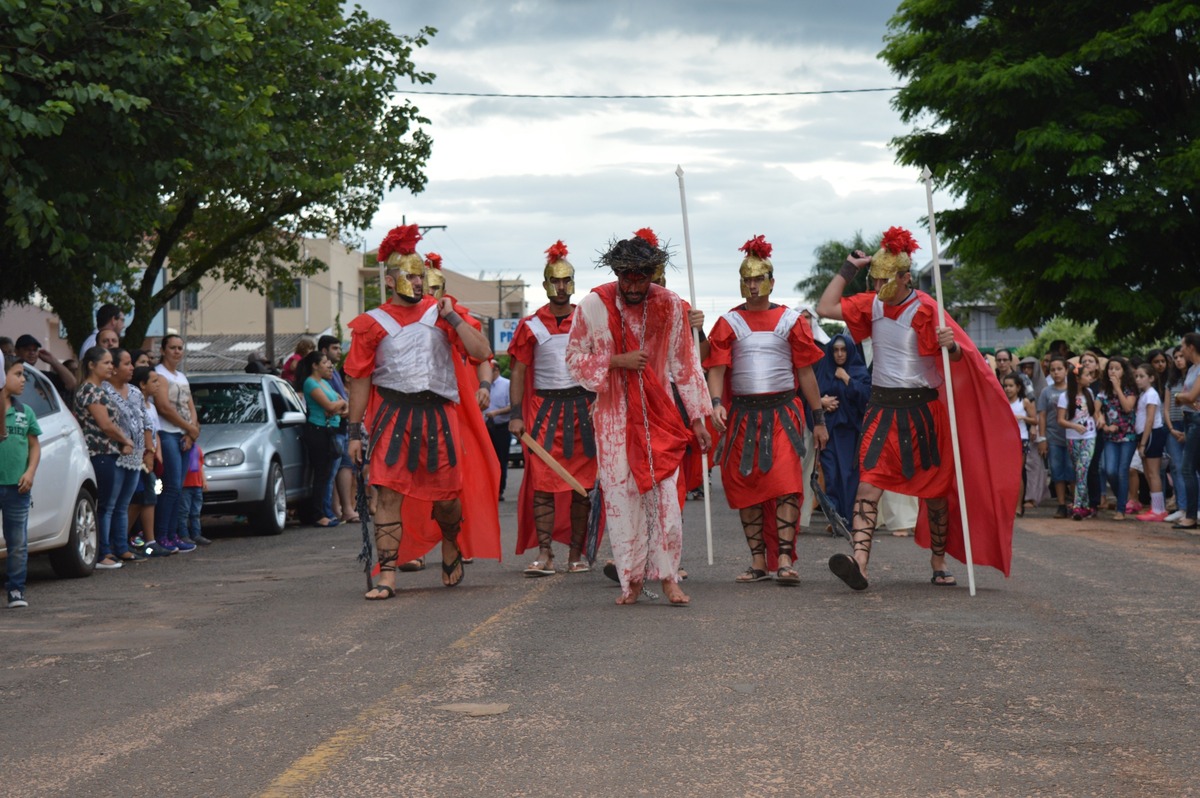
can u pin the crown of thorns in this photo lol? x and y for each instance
(634, 254)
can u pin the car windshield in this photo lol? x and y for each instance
(229, 403)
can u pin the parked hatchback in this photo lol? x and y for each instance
(62, 511)
(250, 428)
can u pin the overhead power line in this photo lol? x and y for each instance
(646, 96)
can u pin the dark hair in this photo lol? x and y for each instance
(1014, 378)
(141, 375)
(116, 353)
(1192, 339)
(1073, 393)
(134, 354)
(326, 341)
(162, 342)
(90, 358)
(1174, 375)
(1127, 383)
(306, 367)
(9, 362)
(105, 314)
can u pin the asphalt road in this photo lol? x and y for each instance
(255, 668)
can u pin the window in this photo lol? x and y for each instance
(191, 296)
(286, 294)
(229, 403)
(39, 393)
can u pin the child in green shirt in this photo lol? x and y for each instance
(20, 453)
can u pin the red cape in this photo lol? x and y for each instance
(480, 534)
(992, 466)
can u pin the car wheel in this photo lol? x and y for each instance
(78, 557)
(271, 515)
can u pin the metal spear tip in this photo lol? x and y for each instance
(678, 171)
(926, 174)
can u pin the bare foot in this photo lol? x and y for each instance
(635, 590)
(673, 593)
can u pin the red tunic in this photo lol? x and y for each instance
(477, 468)
(992, 467)
(583, 468)
(786, 473)
(538, 476)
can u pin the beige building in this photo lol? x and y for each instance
(222, 323)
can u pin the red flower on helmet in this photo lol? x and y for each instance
(556, 252)
(402, 239)
(897, 240)
(758, 247)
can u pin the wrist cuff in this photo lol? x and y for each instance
(849, 271)
(818, 417)
(454, 319)
(485, 384)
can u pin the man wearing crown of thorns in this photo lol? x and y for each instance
(627, 340)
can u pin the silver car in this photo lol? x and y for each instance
(62, 512)
(250, 428)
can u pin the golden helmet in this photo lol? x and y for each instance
(757, 263)
(893, 259)
(435, 279)
(399, 251)
(557, 267)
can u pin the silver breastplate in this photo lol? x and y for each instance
(762, 361)
(414, 357)
(550, 358)
(896, 362)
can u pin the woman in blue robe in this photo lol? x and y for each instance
(842, 375)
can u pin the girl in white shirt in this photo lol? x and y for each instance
(1026, 414)
(1152, 439)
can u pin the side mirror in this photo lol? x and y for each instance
(291, 418)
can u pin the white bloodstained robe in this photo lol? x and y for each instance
(645, 529)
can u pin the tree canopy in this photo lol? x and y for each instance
(207, 136)
(829, 259)
(1067, 130)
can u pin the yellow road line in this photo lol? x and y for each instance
(338, 746)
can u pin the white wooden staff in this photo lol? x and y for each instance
(687, 246)
(927, 177)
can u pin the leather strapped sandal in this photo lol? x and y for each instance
(578, 567)
(752, 575)
(540, 568)
(787, 574)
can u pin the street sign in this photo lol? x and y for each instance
(502, 334)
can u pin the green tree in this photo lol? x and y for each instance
(1068, 132)
(829, 259)
(207, 137)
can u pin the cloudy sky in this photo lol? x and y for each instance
(510, 176)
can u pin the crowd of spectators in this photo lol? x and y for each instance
(141, 428)
(1110, 431)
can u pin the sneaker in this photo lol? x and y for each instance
(1078, 514)
(109, 563)
(156, 549)
(165, 545)
(201, 541)
(16, 599)
(183, 546)
(1152, 516)
(1061, 512)
(1175, 516)
(137, 543)
(1132, 508)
